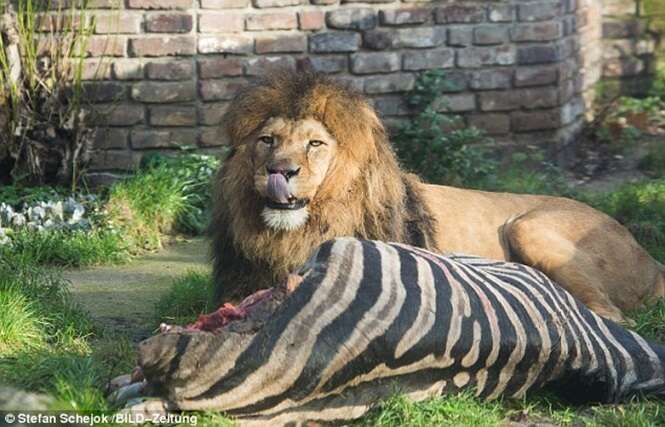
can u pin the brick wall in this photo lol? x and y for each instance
(523, 70)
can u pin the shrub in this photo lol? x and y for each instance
(189, 296)
(436, 145)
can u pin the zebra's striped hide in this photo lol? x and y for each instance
(371, 319)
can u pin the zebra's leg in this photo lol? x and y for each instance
(543, 241)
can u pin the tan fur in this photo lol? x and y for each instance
(365, 194)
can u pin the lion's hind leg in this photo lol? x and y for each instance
(543, 240)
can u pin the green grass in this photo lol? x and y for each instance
(189, 296)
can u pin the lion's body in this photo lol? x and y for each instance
(365, 194)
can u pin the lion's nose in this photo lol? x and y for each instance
(288, 171)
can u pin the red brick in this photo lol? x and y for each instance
(230, 43)
(96, 69)
(272, 21)
(405, 16)
(162, 46)
(221, 22)
(159, 4)
(311, 20)
(118, 23)
(535, 120)
(127, 69)
(491, 123)
(275, 44)
(119, 114)
(220, 90)
(219, 67)
(159, 92)
(163, 138)
(212, 113)
(172, 115)
(171, 70)
(264, 64)
(169, 23)
(224, 4)
(106, 46)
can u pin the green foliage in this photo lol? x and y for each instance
(653, 164)
(436, 145)
(650, 323)
(190, 295)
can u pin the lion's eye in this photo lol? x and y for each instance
(267, 139)
(316, 143)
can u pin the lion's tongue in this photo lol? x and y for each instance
(278, 188)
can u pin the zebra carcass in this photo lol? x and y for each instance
(369, 319)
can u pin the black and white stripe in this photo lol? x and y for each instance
(374, 318)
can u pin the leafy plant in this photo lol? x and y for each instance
(43, 137)
(437, 145)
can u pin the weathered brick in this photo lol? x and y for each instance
(172, 115)
(103, 4)
(106, 46)
(500, 78)
(378, 39)
(110, 138)
(623, 28)
(405, 16)
(272, 21)
(475, 57)
(162, 46)
(617, 48)
(328, 64)
(237, 43)
(419, 37)
(224, 4)
(535, 76)
(264, 64)
(619, 7)
(542, 31)
(368, 1)
(374, 62)
(522, 98)
(96, 69)
(162, 92)
(119, 114)
(169, 23)
(117, 23)
(275, 3)
(213, 137)
(623, 67)
(47, 22)
(211, 68)
(456, 81)
(501, 12)
(127, 69)
(491, 123)
(490, 35)
(212, 113)
(281, 43)
(455, 103)
(163, 138)
(338, 41)
(522, 121)
(460, 13)
(221, 22)
(460, 36)
(389, 84)
(113, 160)
(539, 11)
(220, 90)
(352, 19)
(310, 20)
(391, 105)
(539, 54)
(324, 2)
(353, 83)
(159, 4)
(104, 91)
(425, 60)
(171, 70)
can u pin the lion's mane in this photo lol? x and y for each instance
(365, 194)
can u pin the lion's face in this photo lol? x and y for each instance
(291, 159)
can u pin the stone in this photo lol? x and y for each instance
(425, 60)
(162, 46)
(352, 19)
(338, 41)
(272, 21)
(171, 70)
(374, 62)
(228, 43)
(163, 92)
(221, 22)
(172, 115)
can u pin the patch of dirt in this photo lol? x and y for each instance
(123, 297)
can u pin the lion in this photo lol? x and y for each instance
(310, 160)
